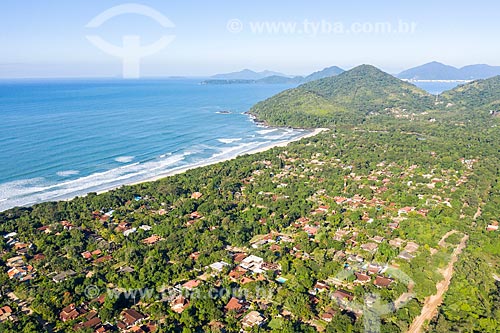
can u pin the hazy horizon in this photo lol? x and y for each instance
(218, 37)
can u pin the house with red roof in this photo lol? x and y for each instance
(191, 284)
(151, 240)
(132, 317)
(320, 286)
(69, 313)
(5, 313)
(311, 231)
(195, 215)
(405, 210)
(91, 323)
(196, 195)
(179, 304)
(343, 295)
(362, 277)
(86, 255)
(239, 257)
(236, 305)
(382, 282)
(237, 273)
(328, 315)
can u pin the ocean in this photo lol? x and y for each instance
(67, 137)
(63, 138)
(437, 87)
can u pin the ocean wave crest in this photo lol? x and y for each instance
(125, 159)
(229, 140)
(67, 173)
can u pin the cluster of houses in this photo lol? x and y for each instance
(17, 267)
(19, 270)
(13, 242)
(251, 268)
(130, 320)
(248, 268)
(96, 256)
(353, 258)
(179, 302)
(240, 307)
(89, 318)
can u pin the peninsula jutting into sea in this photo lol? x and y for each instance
(334, 184)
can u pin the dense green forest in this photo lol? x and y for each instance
(298, 235)
(348, 98)
(481, 94)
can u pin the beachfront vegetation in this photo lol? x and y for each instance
(299, 234)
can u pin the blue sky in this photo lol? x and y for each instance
(48, 38)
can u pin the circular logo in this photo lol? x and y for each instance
(92, 291)
(234, 26)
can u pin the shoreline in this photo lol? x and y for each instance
(178, 170)
(183, 169)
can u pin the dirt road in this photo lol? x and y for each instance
(432, 303)
(442, 242)
(478, 213)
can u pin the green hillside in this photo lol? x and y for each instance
(482, 95)
(348, 97)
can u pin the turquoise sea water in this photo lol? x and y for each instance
(62, 138)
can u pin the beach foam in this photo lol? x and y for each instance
(24, 192)
(229, 140)
(278, 137)
(267, 131)
(125, 159)
(67, 173)
(20, 188)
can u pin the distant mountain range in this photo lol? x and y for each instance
(438, 71)
(247, 76)
(326, 72)
(430, 71)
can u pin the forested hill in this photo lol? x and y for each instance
(346, 98)
(480, 95)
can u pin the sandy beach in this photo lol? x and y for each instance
(210, 162)
(178, 170)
